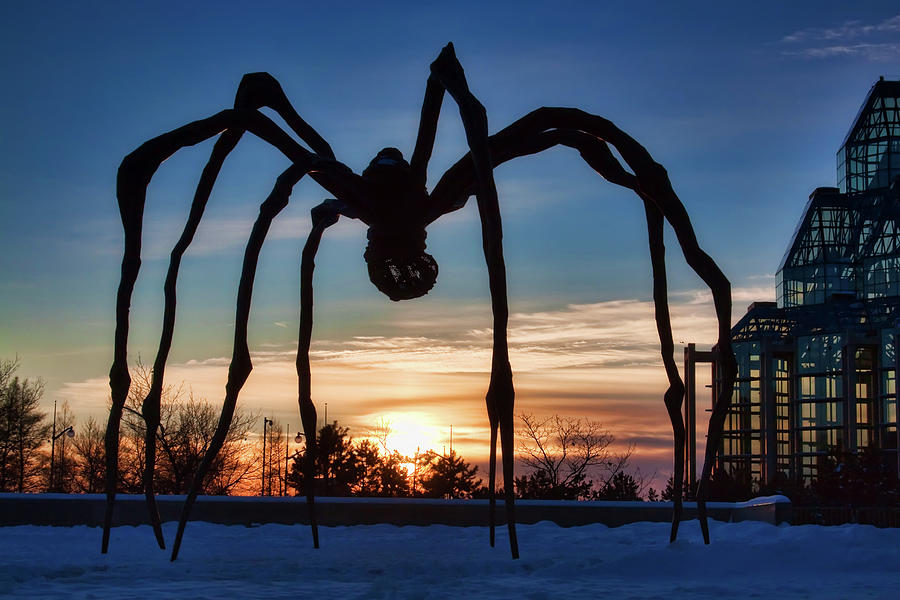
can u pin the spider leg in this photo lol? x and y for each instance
(323, 216)
(654, 182)
(596, 153)
(546, 127)
(674, 396)
(431, 108)
(501, 395)
(134, 176)
(240, 367)
(150, 408)
(255, 91)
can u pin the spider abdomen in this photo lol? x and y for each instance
(398, 264)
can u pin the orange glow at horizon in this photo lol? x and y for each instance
(411, 433)
(598, 361)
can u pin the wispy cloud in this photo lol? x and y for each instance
(847, 31)
(216, 235)
(872, 52)
(220, 234)
(610, 334)
(599, 360)
(619, 334)
(872, 41)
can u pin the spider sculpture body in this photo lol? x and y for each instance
(390, 196)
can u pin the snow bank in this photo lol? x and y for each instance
(383, 561)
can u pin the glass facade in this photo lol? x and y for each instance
(886, 418)
(870, 155)
(819, 406)
(742, 448)
(782, 378)
(847, 241)
(817, 371)
(804, 392)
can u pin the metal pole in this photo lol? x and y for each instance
(69, 432)
(52, 447)
(287, 445)
(268, 460)
(415, 470)
(262, 491)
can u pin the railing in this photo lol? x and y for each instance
(880, 516)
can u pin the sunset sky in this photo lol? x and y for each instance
(744, 105)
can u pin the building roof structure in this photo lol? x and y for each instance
(817, 369)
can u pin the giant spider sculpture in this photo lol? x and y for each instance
(391, 198)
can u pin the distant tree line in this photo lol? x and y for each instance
(563, 458)
(345, 467)
(78, 465)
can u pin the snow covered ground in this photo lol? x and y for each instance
(745, 560)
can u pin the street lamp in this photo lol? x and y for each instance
(68, 432)
(266, 422)
(287, 456)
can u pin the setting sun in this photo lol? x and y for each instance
(412, 432)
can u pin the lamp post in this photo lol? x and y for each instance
(68, 432)
(266, 422)
(287, 442)
(287, 456)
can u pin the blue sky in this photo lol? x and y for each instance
(744, 105)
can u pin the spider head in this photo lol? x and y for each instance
(396, 257)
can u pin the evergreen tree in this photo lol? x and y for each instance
(22, 431)
(369, 461)
(668, 494)
(621, 486)
(861, 479)
(337, 468)
(539, 485)
(447, 476)
(392, 475)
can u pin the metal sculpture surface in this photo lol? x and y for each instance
(390, 196)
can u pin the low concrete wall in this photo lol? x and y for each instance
(88, 509)
(771, 509)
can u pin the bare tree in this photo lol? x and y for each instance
(90, 463)
(381, 433)
(567, 456)
(187, 425)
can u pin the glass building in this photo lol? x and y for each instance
(817, 369)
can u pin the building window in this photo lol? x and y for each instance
(742, 450)
(820, 403)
